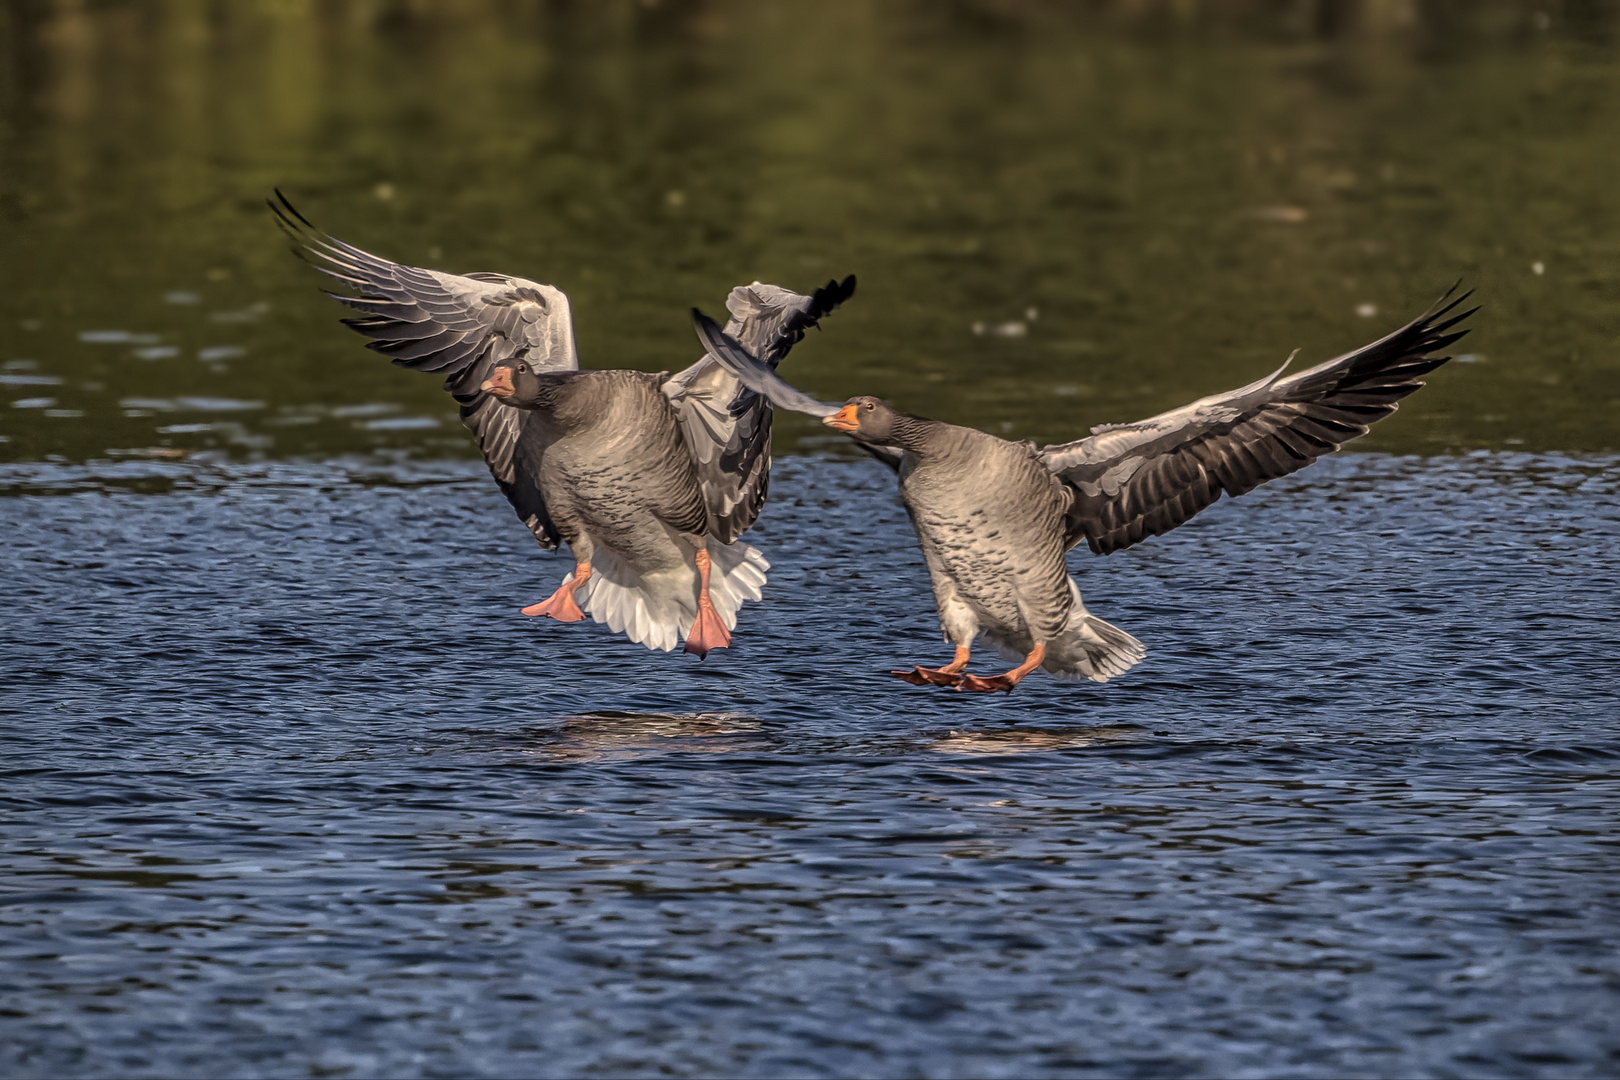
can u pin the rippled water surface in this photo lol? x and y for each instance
(290, 788)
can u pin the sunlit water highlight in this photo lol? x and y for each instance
(290, 788)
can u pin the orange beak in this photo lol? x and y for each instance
(845, 419)
(499, 382)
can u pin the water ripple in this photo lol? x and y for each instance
(289, 784)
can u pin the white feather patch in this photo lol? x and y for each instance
(1086, 648)
(657, 609)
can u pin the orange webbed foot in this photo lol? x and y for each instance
(707, 632)
(922, 676)
(976, 684)
(1006, 681)
(561, 605)
(949, 675)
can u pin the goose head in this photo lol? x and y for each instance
(866, 418)
(517, 385)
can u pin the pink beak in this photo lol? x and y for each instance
(499, 382)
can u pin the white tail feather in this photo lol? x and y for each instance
(1090, 648)
(737, 575)
(656, 610)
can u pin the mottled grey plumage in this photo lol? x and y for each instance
(615, 464)
(989, 517)
(995, 517)
(637, 473)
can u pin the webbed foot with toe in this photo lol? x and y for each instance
(922, 676)
(949, 675)
(708, 629)
(979, 685)
(561, 605)
(1007, 680)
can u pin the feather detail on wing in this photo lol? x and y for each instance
(1132, 481)
(460, 326)
(727, 426)
(761, 378)
(431, 321)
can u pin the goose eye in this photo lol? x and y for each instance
(869, 406)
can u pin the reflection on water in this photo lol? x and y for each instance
(1061, 215)
(1025, 740)
(610, 735)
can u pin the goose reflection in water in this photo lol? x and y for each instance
(1032, 740)
(626, 735)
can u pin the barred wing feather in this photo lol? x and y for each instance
(1132, 481)
(460, 326)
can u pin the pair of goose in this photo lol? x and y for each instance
(650, 479)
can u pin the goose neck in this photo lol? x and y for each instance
(910, 433)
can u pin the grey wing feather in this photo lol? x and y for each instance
(753, 373)
(512, 449)
(1132, 481)
(762, 379)
(727, 425)
(460, 326)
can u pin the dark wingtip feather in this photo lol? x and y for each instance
(829, 297)
(299, 230)
(291, 209)
(291, 221)
(1446, 303)
(1440, 328)
(1446, 341)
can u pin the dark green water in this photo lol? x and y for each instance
(1182, 193)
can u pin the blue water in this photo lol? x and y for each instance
(290, 788)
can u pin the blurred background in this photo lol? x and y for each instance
(1061, 214)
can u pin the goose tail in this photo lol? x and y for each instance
(1091, 648)
(657, 609)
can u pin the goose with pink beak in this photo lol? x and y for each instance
(650, 479)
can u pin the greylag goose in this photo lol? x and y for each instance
(649, 479)
(994, 517)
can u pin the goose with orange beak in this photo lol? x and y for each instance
(995, 518)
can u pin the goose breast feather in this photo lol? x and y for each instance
(990, 516)
(616, 465)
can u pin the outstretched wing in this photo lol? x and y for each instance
(1132, 481)
(460, 326)
(728, 426)
(761, 379)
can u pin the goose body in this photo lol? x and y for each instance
(649, 479)
(989, 517)
(994, 518)
(623, 492)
